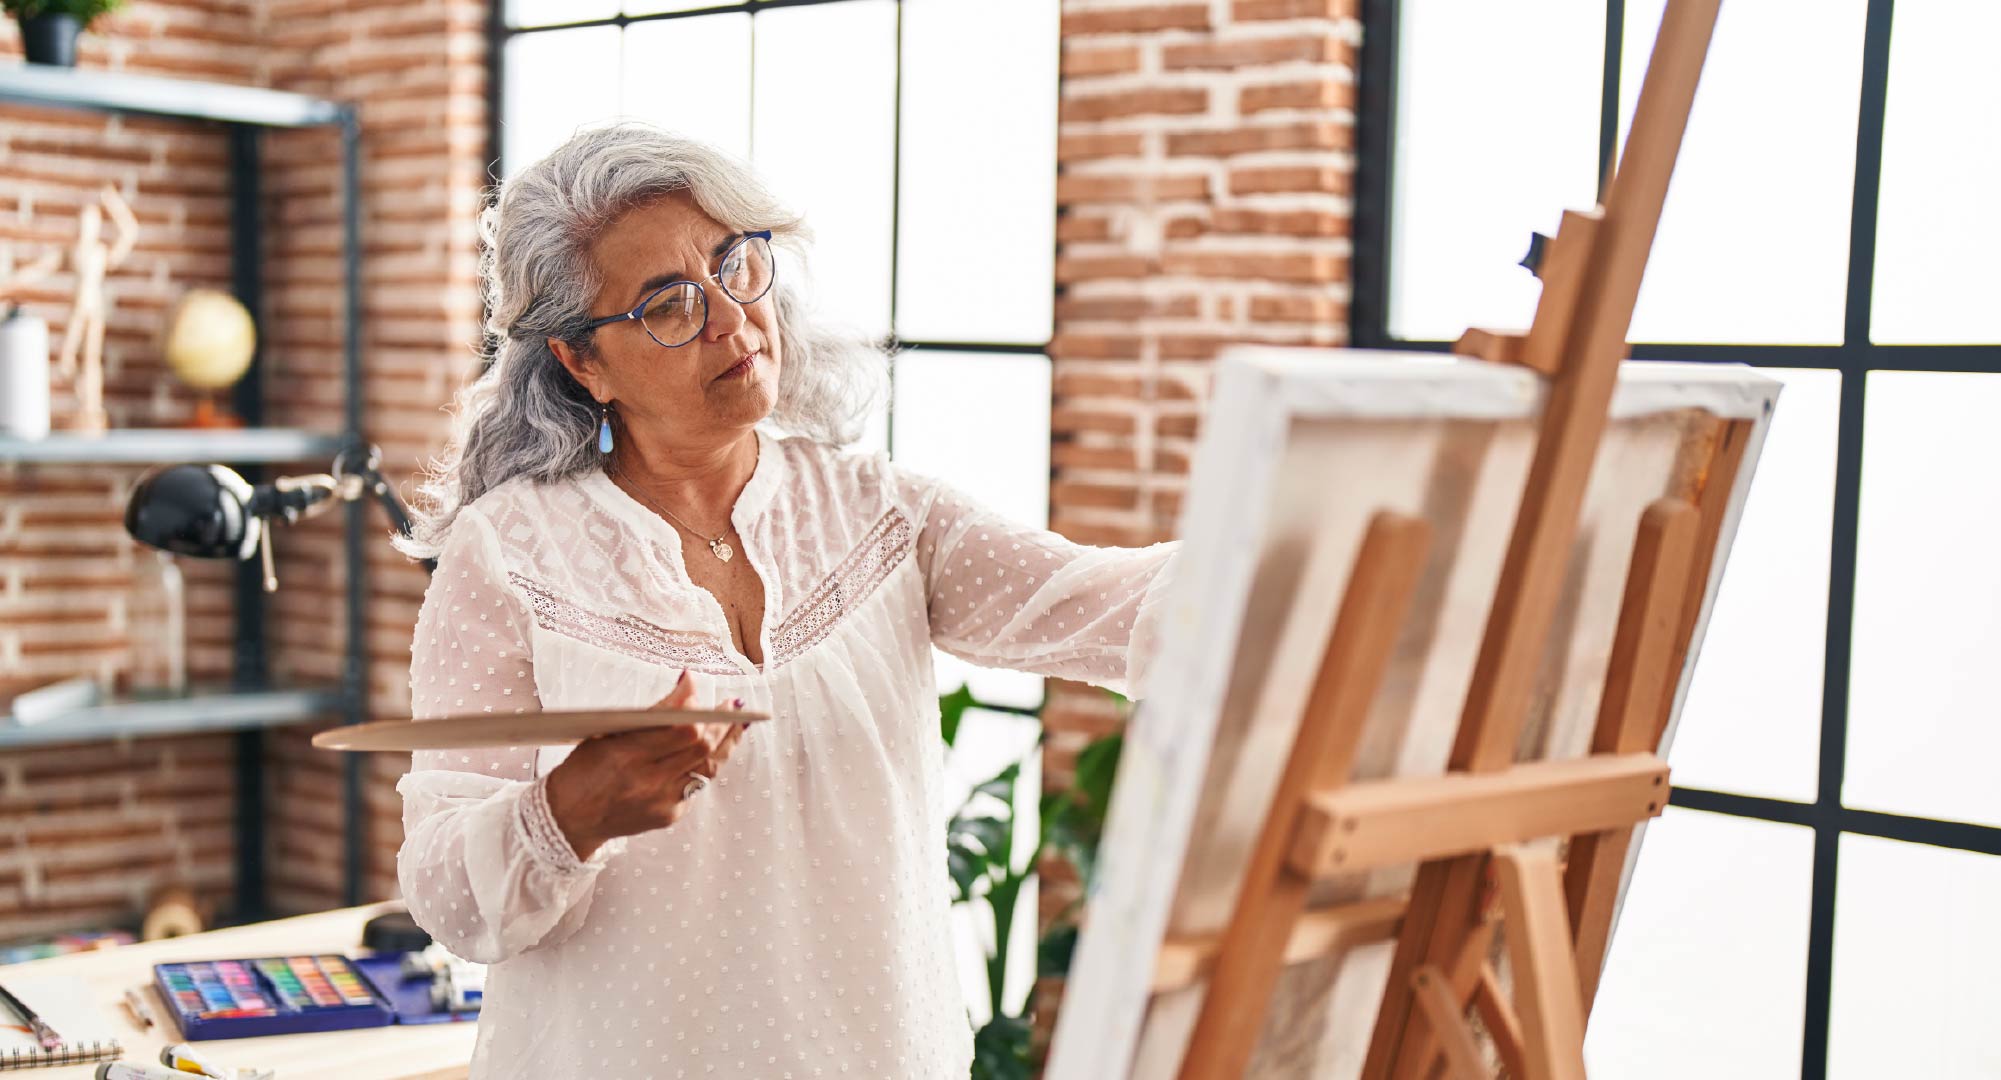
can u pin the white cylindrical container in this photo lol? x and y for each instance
(24, 375)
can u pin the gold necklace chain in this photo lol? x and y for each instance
(717, 547)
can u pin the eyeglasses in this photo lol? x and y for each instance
(677, 312)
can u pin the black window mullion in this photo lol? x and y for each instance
(1608, 102)
(1375, 121)
(1846, 532)
(1961, 835)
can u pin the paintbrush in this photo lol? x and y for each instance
(44, 1034)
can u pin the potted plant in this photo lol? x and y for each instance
(49, 28)
(987, 872)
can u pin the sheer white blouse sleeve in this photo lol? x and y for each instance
(1007, 595)
(483, 866)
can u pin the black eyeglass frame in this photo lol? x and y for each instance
(638, 310)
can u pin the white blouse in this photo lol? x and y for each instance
(794, 921)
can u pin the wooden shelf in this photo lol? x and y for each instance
(204, 709)
(145, 446)
(151, 95)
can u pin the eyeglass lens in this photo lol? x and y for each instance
(676, 314)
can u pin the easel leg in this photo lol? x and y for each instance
(1445, 904)
(1446, 1017)
(1503, 1026)
(1636, 694)
(1424, 1037)
(1545, 970)
(1252, 954)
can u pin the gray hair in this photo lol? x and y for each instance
(524, 415)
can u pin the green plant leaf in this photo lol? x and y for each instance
(975, 849)
(84, 10)
(1077, 843)
(1053, 952)
(1000, 1050)
(951, 709)
(966, 867)
(1097, 765)
(1001, 786)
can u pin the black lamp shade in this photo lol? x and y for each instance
(197, 510)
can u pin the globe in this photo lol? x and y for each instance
(210, 339)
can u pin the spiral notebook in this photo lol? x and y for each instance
(69, 1007)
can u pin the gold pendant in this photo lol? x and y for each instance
(723, 551)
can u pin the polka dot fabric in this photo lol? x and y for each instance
(795, 921)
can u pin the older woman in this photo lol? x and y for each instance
(615, 527)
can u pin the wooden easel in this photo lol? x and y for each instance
(1474, 829)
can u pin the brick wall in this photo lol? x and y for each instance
(1205, 157)
(418, 72)
(90, 830)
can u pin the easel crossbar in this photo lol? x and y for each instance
(1397, 822)
(1184, 962)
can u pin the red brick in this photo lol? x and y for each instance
(1136, 19)
(1255, 10)
(1325, 179)
(1191, 346)
(1252, 52)
(1076, 420)
(1072, 385)
(1281, 222)
(1109, 60)
(1070, 455)
(1184, 425)
(1292, 266)
(1071, 227)
(1072, 268)
(1183, 228)
(1099, 145)
(1126, 307)
(1071, 346)
(1097, 187)
(1326, 93)
(1306, 135)
(1315, 309)
(1153, 101)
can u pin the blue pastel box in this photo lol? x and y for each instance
(240, 999)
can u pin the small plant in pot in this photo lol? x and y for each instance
(49, 28)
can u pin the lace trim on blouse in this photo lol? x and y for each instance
(545, 837)
(627, 635)
(866, 567)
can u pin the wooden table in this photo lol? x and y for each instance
(396, 1052)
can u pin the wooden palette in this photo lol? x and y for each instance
(477, 730)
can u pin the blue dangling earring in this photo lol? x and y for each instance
(604, 428)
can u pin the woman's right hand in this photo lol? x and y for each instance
(630, 783)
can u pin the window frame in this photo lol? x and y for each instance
(1854, 358)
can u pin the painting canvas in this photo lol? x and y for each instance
(1301, 447)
